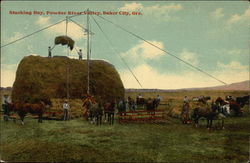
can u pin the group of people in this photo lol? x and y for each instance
(133, 105)
(78, 52)
(95, 109)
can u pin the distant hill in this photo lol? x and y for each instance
(240, 86)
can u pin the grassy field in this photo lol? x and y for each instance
(171, 141)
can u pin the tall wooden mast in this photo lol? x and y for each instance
(88, 51)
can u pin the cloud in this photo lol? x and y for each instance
(145, 50)
(157, 10)
(189, 57)
(232, 72)
(8, 74)
(43, 20)
(218, 13)
(233, 66)
(16, 36)
(237, 51)
(131, 6)
(237, 18)
(150, 78)
(165, 8)
(33, 54)
(73, 30)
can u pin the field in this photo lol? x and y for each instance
(171, 141)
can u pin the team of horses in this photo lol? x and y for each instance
(95, 110)
(218, 109)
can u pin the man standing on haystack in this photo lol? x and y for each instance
(80, 54)
(66, 108)
(49, 50)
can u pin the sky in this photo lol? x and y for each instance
(213, 36)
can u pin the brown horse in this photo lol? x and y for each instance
(109, 110)
(23, 109)
(210, 113)
(233, 106)
(151, 105)
(141, 102)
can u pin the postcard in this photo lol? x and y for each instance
(124, 81)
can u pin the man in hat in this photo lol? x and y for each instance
(80, 54)
(50, 54)
(66, 108)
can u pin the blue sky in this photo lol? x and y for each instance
(213, 36)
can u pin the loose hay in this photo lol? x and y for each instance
(65, 40)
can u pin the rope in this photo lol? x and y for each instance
(66, 26)
(53, 47)
(92, 33)
(116, 51)
(31, 34)
(67, 61)
(90, 39)
(76, 50)
(197, 68)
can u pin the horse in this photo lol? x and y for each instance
(141, 102)
(109, 111)
(121, 107)
(131, 104)
(202, 99)
(151, 105)
(229, 98)
(87, 103)
(242, 100)
(232, 105)
(106, 110)
(23, 109)
(96, 113)
(210, 113)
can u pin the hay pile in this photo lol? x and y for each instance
(41, 77)
(65, 40)
(176, 108)
(56, 111)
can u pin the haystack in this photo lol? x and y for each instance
(41, 77)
